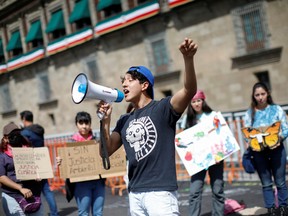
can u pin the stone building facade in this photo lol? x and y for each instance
(45, 44)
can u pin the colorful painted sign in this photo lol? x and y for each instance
(205, 144)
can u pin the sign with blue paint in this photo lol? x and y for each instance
(207, 143)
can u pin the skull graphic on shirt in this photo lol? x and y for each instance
(141, 135)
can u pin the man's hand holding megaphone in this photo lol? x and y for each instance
(104, 109)
(83, 88)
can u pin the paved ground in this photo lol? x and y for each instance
(249, 192)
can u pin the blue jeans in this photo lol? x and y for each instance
(217, 186)
(49, 196)
(153, 203)
(90, 195)
(270, 163)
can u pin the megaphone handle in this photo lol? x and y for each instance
(100, 114)
(105, 156)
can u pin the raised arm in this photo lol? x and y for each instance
(113, 140)
(183, 97)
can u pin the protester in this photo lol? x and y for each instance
(12, 188)
(198, 111)
(88, 194)
(35, 134)
(148, 134)
(269, 162)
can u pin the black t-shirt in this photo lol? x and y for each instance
(148, 136)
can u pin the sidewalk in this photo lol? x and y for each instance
(249, 191)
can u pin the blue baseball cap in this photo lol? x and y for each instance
(146, 73)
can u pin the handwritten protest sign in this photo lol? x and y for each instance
(205, 144)
(81, 161)
(32, 163)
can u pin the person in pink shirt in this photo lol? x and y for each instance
(89, 195)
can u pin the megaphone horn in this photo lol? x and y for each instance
(82, 88)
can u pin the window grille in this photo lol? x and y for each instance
(6, 100)
(160, 56)
(44, 88)
(250, 28)
(92, 70)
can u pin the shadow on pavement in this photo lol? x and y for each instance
(248, 192)
(67, 211)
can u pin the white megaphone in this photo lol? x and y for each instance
(83, 88)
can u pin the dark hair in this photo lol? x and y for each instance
(15, 139)
(83, 116)
(253, 100)
(138, 76)
(26, 115)
(4, 143)
(191, 114)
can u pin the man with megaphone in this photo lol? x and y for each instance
(148, 134)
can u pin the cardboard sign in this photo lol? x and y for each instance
(81, 161)
(205, 144)
(32, 163)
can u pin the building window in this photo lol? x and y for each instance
(134, 3)
(142, 1)
(131, 4)
(83, 23)
(92, 70)
(112, 10)
(264, 78)
(160, 56)
(6, 101)
(34, 37)
(44, 88)
(251, 28)
(14, 46)
(80, 16)
(109, 8)
(56, 25)
(253, 31)
(2, 59)
(157, 54)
